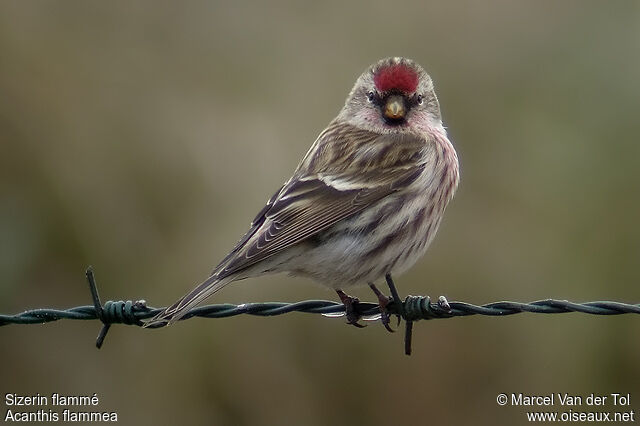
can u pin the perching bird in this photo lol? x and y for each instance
(365, 201)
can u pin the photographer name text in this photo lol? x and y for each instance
(566, 399)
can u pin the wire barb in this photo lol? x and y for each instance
(413, 308)
(98, 307)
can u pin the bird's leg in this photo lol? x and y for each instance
(383, 301)
(349, 308)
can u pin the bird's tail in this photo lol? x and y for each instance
(176, 311)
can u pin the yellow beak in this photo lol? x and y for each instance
(394, 108)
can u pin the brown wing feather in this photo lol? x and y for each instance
(312, 202)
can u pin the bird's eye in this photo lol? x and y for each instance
(420, 99)
(371, 96)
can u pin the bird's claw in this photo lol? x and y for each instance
(383, 302)
(385, 318)
(350, 311)
(385, 321)
(357, 324)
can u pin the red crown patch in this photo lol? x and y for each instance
(398, 76)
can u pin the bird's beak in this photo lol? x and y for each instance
(394, 108)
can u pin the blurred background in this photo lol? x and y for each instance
(142, 138)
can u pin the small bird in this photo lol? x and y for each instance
(365, 201)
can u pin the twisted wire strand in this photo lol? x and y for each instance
(128, 312)
(413, 308)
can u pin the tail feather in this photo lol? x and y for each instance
(179, 309)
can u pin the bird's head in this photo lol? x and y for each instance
(395, 94)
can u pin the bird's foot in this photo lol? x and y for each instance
(383, 302)
(350, 310)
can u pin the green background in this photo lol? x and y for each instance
(142, 137)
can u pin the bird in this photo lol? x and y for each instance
(363, 204)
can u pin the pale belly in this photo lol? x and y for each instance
(362, 249)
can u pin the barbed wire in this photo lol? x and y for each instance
(412, 309)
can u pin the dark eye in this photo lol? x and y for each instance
(420, 99)
(371, 96)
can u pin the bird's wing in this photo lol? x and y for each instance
(310, 203)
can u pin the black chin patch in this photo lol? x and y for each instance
(394, 121)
